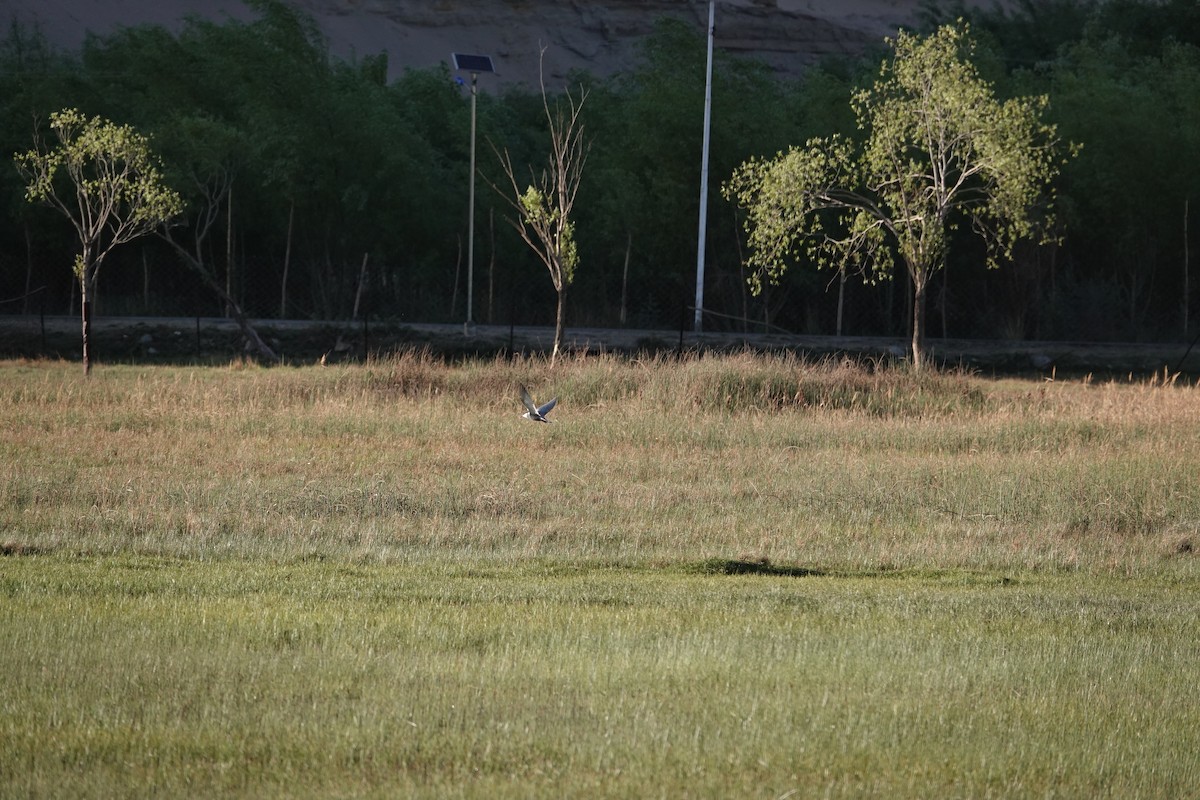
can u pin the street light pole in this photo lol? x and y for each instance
(474, 64)
(469, 326)
(698, 322)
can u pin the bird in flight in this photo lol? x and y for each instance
(535, 413)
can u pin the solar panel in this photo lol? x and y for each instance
(473, 63)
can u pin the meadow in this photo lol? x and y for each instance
(721, 576)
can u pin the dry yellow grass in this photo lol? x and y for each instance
(828, 464)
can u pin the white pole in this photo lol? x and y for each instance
(698, 322)
(467, 328)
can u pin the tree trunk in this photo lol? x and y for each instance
(29, 269)
(235, 311)
(625, 277)
(560, 322)
(229, 233)
(841, 304)
(918, 319)
(228, 287)
(287, 262)
(766, 296)
(1186, 288)
(145, 283)
(942, 294)
(248, 332)
(457, 270)
(737, 241)
(86, 317)
(362, 280)
(491, 265)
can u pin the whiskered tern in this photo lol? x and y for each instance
(535, 413)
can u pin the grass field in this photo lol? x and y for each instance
(728, 576)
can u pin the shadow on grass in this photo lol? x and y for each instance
(20, 549)
(722, 566)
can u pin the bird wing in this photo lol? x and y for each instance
(544, 410)
(528, 401)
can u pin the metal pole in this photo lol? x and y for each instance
(698, 323)
(468, 328)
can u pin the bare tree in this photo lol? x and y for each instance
(543, 210)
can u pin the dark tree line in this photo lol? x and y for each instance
(315, 186)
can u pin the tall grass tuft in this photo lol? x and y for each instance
(697, 381)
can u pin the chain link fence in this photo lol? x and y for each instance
(1001, 321)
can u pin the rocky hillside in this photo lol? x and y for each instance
(598, 35)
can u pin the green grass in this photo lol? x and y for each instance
(130, 676)
(724, 577)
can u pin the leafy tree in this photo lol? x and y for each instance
(939, 148)
(118, 192)
(543, 210)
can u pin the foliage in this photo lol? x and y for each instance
(334, 159)
(118, 193)
(537, 213)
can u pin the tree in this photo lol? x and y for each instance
(939, 148)
(543, 210)
(118, 192)
(206, 163)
